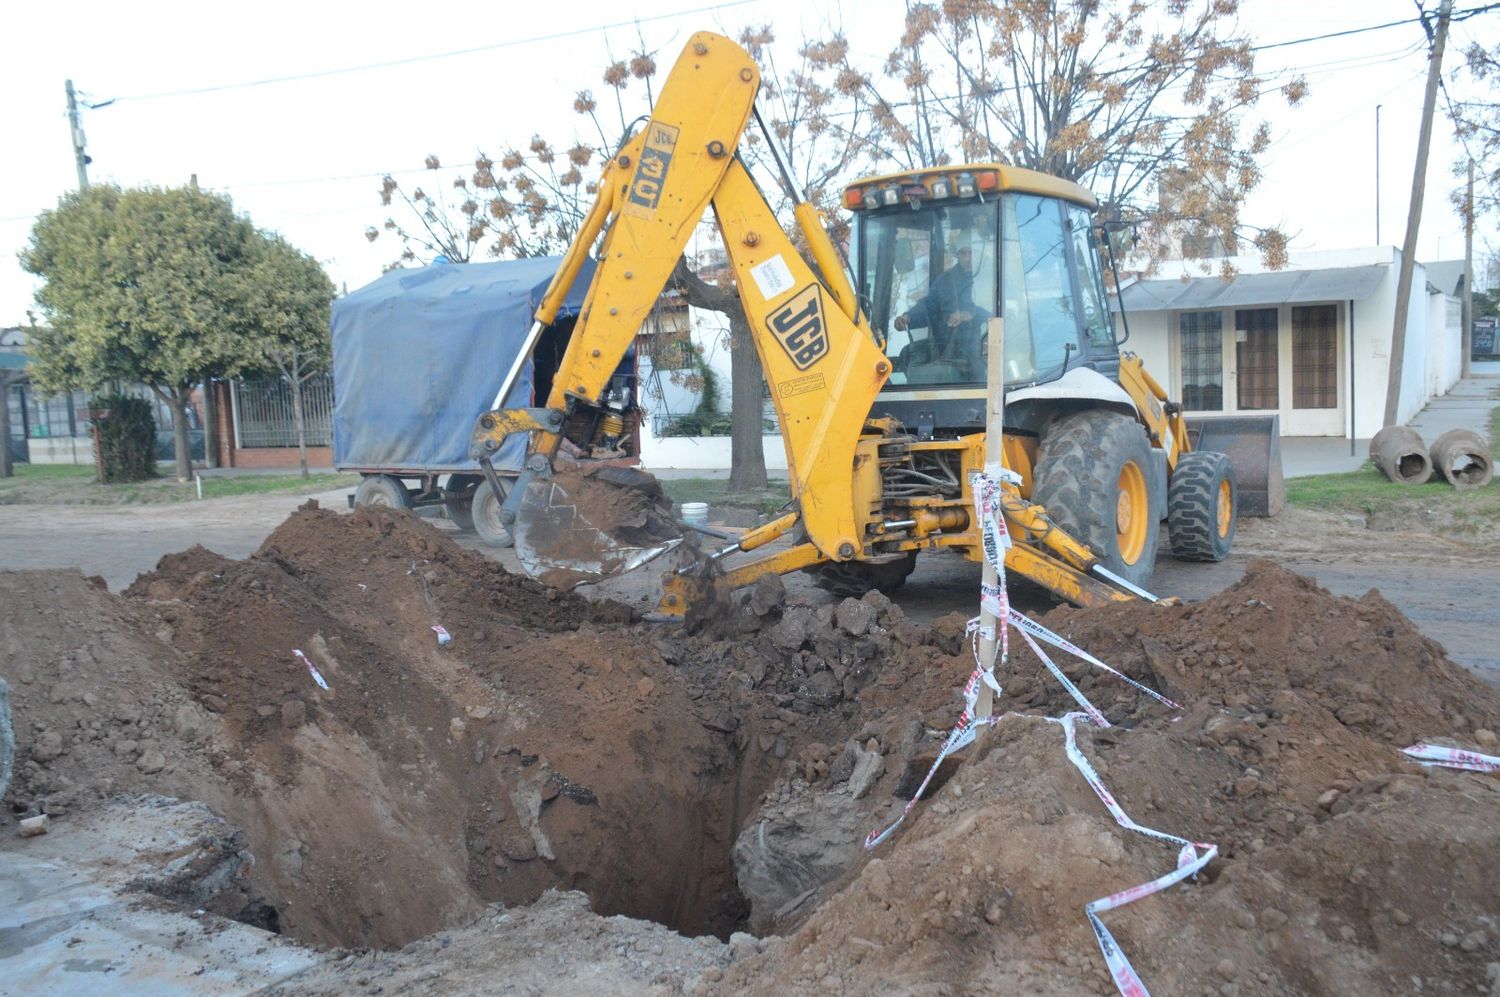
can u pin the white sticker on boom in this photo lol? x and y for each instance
(773, 277)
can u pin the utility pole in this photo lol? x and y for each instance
(80, 157)
(1414, 217)
(1467, 339)
(1377, 174)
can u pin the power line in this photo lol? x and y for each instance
(1315, 69)
(412, 60)
(1458, 15)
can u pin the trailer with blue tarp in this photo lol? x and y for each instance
(417, 356)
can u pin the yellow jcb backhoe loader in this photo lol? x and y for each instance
(880, 391)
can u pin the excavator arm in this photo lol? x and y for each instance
(822, 363)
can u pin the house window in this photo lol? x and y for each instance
(1255, 358)
(1202, 345)
(1314, 358)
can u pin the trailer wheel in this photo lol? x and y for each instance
(485, 512)
(1202, 507)
(458, 499)
(855, 578)
(382, 491)
(1093, 475)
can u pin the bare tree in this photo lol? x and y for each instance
(1476, 119)
(1146, 106)
(532, 201)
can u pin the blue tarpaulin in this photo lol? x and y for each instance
(419, 354)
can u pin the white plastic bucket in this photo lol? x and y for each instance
(695, 513)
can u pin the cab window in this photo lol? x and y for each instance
(1098, 327)
(1041, 325)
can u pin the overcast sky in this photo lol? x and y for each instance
(304, 156)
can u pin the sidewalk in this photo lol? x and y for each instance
(1467, 405)
(255, 472)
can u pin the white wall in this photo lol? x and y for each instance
(710, 332)
(1151, 339)
(1444, 343)
(701, 453)
(1432, 360)
(61, 450)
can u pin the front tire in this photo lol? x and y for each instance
(382, 491)
(1202, 507)
(1093, 475)
(485, 512)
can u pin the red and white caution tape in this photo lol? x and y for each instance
(311, 668)
(963, 732)
(1073, 690)
(1027, 625)
(1191, 858)
(1452, 758)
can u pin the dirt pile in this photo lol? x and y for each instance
(725, 777)
(548, 746)
(1344, 868)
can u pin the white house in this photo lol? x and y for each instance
(1311, 342)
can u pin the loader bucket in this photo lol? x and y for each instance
(1253, 445)
(586, 524)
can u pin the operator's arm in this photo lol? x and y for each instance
(914, 317)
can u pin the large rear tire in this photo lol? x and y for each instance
(485, 511)
(382, 491)
(855, 578)
(1093, 475)
(1202, 507)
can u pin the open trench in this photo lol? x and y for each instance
(549, 746)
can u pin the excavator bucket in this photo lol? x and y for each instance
(1253, 445)
(590, 523)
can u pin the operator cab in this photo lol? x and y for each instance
(939, 252)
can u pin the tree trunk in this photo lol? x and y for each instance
(181, 399)
(5, 469)
(210, 425)
(297, 422)
(747, 457)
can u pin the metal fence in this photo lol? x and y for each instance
(263, 412)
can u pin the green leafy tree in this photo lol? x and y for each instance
(141, 285)
(286, 304)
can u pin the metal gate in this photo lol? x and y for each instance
(262, 410)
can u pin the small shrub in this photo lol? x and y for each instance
(127, 438)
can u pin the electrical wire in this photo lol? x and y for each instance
(413, 60)
(1457, 15)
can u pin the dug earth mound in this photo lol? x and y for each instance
(723, 779)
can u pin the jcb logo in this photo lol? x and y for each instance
(651, 171)
(799, 327)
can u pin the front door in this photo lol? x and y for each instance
(1257, 384)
